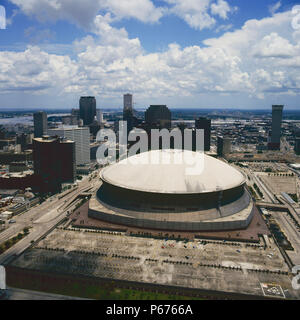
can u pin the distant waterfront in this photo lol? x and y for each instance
(15, 120)
(14, 117)
(28, 120)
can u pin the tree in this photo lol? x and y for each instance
(26, 230)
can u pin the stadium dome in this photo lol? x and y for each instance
(141, 174)
(156, 190)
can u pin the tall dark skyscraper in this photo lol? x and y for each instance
(275, 134)
(223, 146)
(205, 124)
(87, 106)
(54, 163)
(40, 124)
(128, 115)
(158, 115)
(129, 118)
(67, 160)
(128, 102)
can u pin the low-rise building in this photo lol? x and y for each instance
(6, 215)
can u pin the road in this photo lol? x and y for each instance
(42, 218)
(267, 195)
(292, 234)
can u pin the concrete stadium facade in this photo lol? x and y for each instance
(163, 197)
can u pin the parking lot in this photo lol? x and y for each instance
(215, 265)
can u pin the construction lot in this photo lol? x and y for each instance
(280, 183)
(212, 265)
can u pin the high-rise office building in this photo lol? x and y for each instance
(223, 146)
(129, 118)
(158, 115)
(99, 116)
(54, 163)
(128, 113)
(68, 160)
(205, 124)
(275, 134)
(128, 102)
(81, 137)
(24, 140)
(87, 106)
(40, 124)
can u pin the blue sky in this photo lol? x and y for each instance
(184, 53)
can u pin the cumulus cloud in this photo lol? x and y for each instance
(221, 8)
(273, 45)
(84, 12)
(259, 59)
(35, 70)
(143, 10)
(193, 12)
(198, 14)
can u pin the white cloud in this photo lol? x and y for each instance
(34, 70)
(221, 8)
(273, 8)
(260, 59)
(273, 45)
(84, 12)
(196, 13)
(143, 10)
(193, 12)
(224, 27)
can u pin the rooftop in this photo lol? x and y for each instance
(140, 173)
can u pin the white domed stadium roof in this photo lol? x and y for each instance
(139, 173)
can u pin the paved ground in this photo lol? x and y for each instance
(212, 265)
(278, 184)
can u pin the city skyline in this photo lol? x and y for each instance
(231, 213)
(210, 54)
(149, 150)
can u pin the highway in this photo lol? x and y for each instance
(42, 218)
